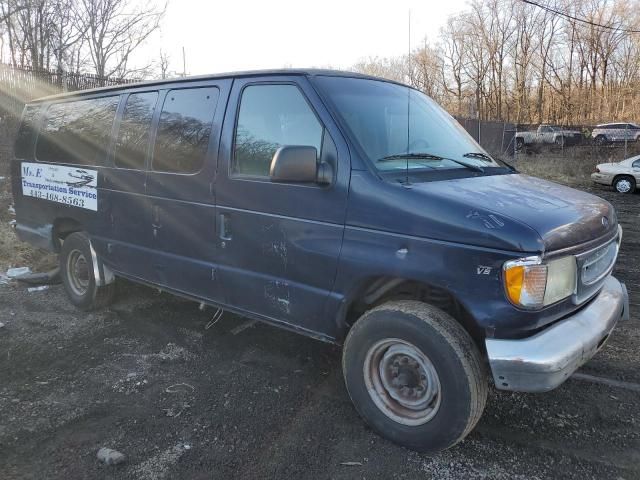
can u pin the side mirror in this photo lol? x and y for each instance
(298, 163)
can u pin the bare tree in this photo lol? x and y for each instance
(114, 29)
(164, 64)
(393, 68)
(454, 58)
(510, 60)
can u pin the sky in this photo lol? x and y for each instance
(228, 35)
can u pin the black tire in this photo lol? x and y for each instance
(519, 143)
(559, 141)
(624, 184)
(76, 270)
(600, 140)
(460, 375)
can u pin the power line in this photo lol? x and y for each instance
(578, 19)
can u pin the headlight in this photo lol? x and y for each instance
(530, 283)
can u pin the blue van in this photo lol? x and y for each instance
(344, 207)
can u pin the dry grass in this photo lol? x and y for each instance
(13, 252)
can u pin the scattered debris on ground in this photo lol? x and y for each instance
(37, 289)
(17, 272)
(110, 457)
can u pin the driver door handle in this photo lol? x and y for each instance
(224, 227)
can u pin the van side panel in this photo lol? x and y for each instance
(182, 222)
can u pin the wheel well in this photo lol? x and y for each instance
(622, 175)
(63, 227)
(384, 289)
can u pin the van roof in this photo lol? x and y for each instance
(196, 78)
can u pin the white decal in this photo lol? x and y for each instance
(75, 186)
(482, 270)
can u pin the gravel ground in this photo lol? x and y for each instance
(183, 399)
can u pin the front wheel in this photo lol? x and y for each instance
(76, 269)
(600, 140)
(415, 375)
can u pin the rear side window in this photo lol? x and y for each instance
(272, 116)
(184, 129)
(134, 131)
(77, 132)
(24, 138)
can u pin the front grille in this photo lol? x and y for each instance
(593, 268)
(597, 264)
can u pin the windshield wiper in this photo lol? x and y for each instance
(480, 155)
(430, 156)
(484, 156)
(424, 156)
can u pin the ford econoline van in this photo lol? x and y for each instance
(344, 207)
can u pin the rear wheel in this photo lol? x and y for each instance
(415, 375)
(624, 184)
(76, 269)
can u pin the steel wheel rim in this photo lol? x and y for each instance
(623, 186)
(402, 382)
(78, 272)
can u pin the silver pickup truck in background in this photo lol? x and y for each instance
(548, 134)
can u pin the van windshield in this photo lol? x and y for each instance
(398, 127)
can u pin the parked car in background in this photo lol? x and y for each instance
(623, 176)
(548, 134)
(607, 133)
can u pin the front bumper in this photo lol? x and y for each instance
(545, 360)
(601, 178)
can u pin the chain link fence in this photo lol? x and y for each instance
(604, 142)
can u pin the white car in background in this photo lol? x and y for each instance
(623, 176)
(606, 133)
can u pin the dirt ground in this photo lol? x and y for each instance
(184, 399)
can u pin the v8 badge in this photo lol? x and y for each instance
(482, 270)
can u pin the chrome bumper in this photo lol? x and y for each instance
(545, 360)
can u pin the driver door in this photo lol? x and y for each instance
(279, 243)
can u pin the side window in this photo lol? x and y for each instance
(184, 129)
(636, 164)
(77, 132)
(24, 138)
(134, 130)
(271, 116)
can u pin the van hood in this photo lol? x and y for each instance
(562, 216)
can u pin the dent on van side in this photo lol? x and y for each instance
(345, 207)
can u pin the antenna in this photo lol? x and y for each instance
(408, 102)
(184, 63)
